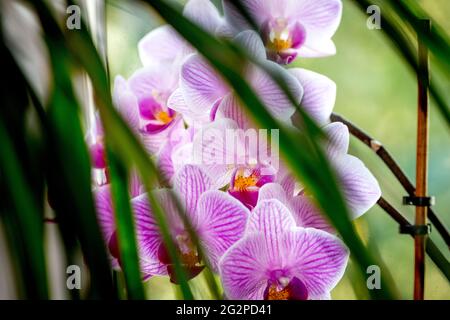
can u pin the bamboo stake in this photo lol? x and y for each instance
(421, 163)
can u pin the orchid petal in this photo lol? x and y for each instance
(273, 191)
(190, 183)
(135, 184)
(272, 219)
(105, 211)
(307, 215)
(278, 104)
(201, 85)
(126, 102)
(160, 46)
(176, 102)
(339, 139)
(211, 150)
(360, 187)
(318, 49)
(153, 80)
(316, 257)
(259, 10)
(321, 18)
(242, 269)
(319, 94)
(153, 142)
(222, 222)
(204, 14)
(231, 109)
(147, 229)
(164, 162)
(252, 43)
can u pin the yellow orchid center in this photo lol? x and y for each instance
(280, 38)
(281, 44)
(242, 182)
(275, 294)
(163, 116)
(188, 253)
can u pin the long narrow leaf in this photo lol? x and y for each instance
(125, 228)
(69, 175)
(28, 219)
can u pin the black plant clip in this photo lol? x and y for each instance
(415, 230)
(418, 201)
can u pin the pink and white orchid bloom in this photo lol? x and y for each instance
(290, 28)
(224, 151)
(218, 219)
(361, 189)
(146, 94)
(276, 260)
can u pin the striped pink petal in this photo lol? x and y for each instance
(319, 94)
(360, 187)
(315, 257)
(339, 139)
(201, 85)
(190, 183)
(307, 215)
(221, 222)
(243, 269)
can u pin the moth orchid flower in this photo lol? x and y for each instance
(218, 219)
(203, 93)
(276, 260)
(223, 150)
(145, 95)
(289, 28)
(360, 188)
(163, 45)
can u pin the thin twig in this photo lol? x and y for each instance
(435, 255)
(386, 157)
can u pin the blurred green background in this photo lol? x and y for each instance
(376, 91)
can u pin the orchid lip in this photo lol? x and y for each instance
(282, 39)
(190, 259)
(97, 152)
(113, 246)
(155, 115)
(245, 185)
(285, 289)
